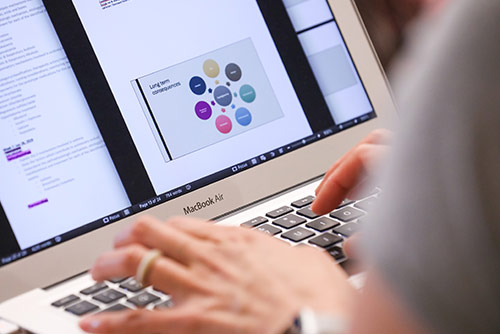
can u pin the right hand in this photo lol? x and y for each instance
(347, 177)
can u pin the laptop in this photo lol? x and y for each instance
(225, 110)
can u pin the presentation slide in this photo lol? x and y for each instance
(200, 84)
(208, 99)
(55, 171)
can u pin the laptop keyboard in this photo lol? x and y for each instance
(111, 296)
(295, 223)
(299, 225)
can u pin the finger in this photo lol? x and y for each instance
(130, 322)
(379, 136)
(198, 228)
(343, 180)
(350, 247)
(173, 242)
(164, 274)
(178, 320)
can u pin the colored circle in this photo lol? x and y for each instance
(247, 93)
(197, 85)
(243, 116)
(211, 68)
(203, 110)
(213, 103)
(222, 96)
(210, 90)
(224, 124)
(233, 72)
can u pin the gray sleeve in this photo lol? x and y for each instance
(436, 236)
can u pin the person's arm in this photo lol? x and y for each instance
(379, 310)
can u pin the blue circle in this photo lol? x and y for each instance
(198, 85)
(243, 116)
(223, 96)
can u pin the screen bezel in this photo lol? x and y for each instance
(239, 190)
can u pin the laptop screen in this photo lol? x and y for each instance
(150, 100)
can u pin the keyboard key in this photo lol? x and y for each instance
(255, 222)
(166, 304)
(82, 308)
(345, 202)
(347, 214)
(117, 280)
(289, 221)
(132, 286)
(322, 224)
(367, 204)
(94, 289)
(143, 300)
(298, 234)
(117, 308)
(65, 301)
(326, 240)
(348, 229)
(268, 229)
(303, 202)
(279, 212)
(109, 296)
(308, 213)
(336, 252)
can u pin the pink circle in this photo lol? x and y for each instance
(224, 124)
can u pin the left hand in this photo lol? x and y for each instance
(221, 279)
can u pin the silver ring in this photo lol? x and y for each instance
(144, 267)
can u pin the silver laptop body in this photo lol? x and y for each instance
(232, 163)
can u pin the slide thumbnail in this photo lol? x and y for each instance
(207, 99)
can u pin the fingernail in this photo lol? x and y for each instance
(90, 324)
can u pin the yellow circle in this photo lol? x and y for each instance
(211, 68)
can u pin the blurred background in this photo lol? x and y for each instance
(389, 22)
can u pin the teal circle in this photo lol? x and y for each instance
(247, 93)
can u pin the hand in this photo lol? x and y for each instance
(346, 178)
(221, 279)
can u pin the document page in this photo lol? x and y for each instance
(55, 171)
(200, 84)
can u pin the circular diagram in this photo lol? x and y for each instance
(211, 68)
(223, 96)
(203, 110)
(224, 124)
(233, 72)
(243, 116)
(247, 93)
(197, 85)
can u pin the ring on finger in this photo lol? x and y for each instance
(145, 265)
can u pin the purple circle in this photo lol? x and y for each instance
(203, 110)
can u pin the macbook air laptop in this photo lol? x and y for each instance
(225, 110)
